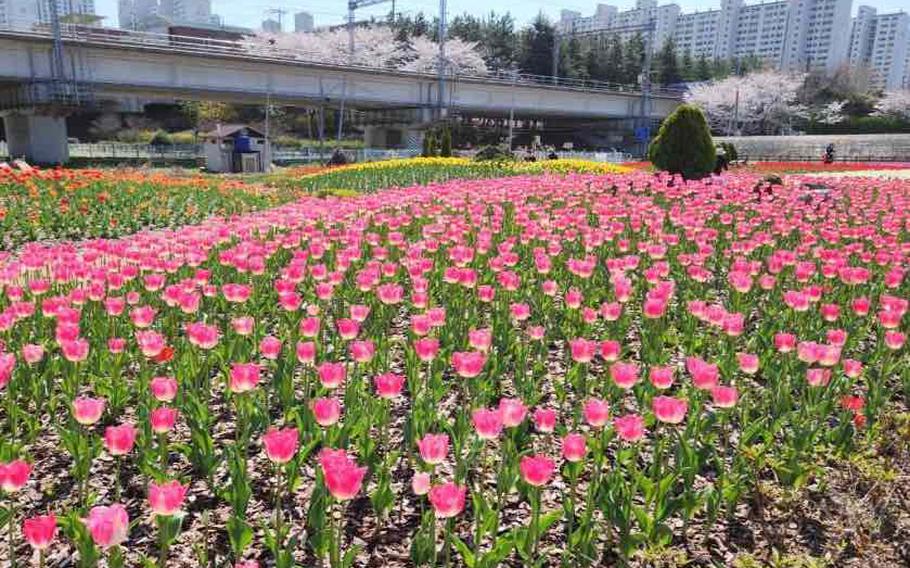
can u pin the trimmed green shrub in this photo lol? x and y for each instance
(684, 144)
(161, 138)
(493, 154)
(445, 143)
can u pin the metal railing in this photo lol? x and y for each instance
(191, 45)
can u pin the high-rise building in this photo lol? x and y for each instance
(303, 22)
(791, 34)
(150, 14)
(26, 13)
(879, 42)
(271, 26)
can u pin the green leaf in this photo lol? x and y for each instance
(467, 555)
(240, 534)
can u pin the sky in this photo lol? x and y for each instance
(250, 13)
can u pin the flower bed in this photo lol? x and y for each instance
(516, 371)
(75, 204)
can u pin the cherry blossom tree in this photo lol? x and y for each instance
(894, 103)
(766, 102)
(375, 46)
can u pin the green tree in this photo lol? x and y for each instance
(668, 64)
(537, 47)
(633, 59)
(687, 67)
(615, 70)
(445, 144)
(703, 70)
(684, 144)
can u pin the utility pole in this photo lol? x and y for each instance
(352, 6)
(280, 12)
(442, 59)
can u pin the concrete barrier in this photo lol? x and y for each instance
(850, 147)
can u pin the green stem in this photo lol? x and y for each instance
(11, 525)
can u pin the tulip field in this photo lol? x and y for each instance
(567, 366)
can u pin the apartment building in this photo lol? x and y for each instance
(150, 14)
(791, 34)
(881, 43)
(26, 13)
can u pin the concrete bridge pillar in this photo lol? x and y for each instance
(393, 136)
(38, 138)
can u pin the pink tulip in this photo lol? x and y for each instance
(610, 350)
(630, 428)
(512, 411)
(724, 397)
(545, 420)
(327, 411)
(165, 499)
(75, 351)
(669, 410)
(14, 475)
(331, 375)
(433, 448)
(661, 377)
(163, 419)
(270, 347)
(748, 363)
(536, 470)
(88, 411)
(468, 364)
(108, 526)
(574, 447)
(487, 423)
(32, 353)
(306, 352)
(202, 336)
(343, 477)
(447, 500)
(420, 483)
(389, 385)
(40, 531)
(582, 350)
(596, 412)
(244, 377)
(426, 349)
(704, 374)
(164, 389)
(116, 345)
(281, 444)
(362, 351)
(119, 440)
(243, 325)
(151, 343)
(625, 375)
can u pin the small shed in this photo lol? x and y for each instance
(236, 148)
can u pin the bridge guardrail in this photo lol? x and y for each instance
(208, 46)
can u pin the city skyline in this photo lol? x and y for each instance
(250, 14)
